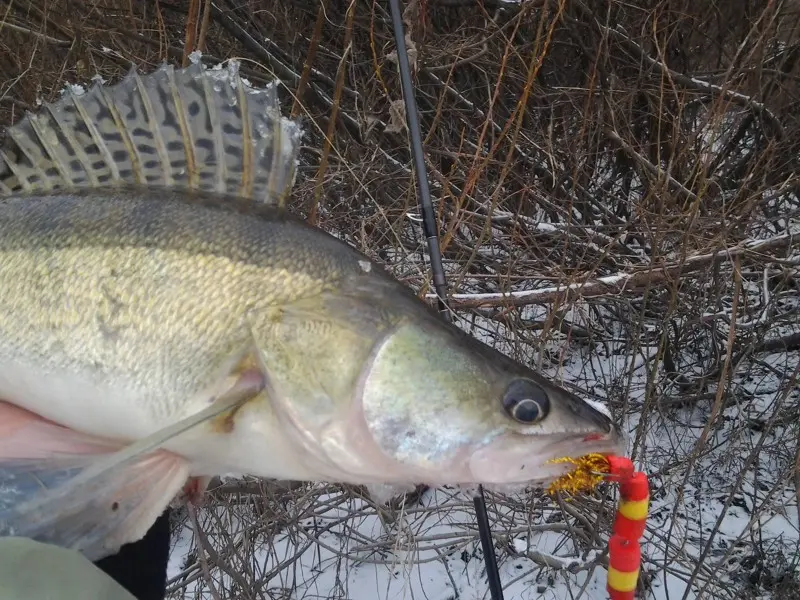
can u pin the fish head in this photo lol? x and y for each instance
(371, 386)
(445, 408)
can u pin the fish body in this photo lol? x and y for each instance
(129, 306)
(159, 308)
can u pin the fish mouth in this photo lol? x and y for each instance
(606, 444)
(510, 461)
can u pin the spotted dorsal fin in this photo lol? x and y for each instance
(194, 128)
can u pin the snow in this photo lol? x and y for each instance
(73, 88)
(333, 545)
(723, 515)
(431, 554)
(745, 530)
(437, 556)
(328, 544)
(723, 519)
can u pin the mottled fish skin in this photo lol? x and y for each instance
(151, 291)
(150, 287)
(147, 259)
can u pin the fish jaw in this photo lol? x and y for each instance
(431, 400)
(510, 461)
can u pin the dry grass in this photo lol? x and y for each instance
(610, 163)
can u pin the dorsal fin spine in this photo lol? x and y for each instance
(194, 129)
(158, 139)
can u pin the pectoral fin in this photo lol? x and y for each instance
(77, 491)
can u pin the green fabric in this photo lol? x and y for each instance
(34, 571)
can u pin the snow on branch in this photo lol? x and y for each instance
(620, 282)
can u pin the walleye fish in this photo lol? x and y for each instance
(163, 320)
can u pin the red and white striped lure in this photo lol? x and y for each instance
(624, 551)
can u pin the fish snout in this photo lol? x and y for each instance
(517, 458)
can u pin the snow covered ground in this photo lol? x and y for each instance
(726, 521)
(724, 516)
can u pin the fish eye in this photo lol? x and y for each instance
(526, 402)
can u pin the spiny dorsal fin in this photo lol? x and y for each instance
(193, 128)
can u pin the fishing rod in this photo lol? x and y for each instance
(630, 521)
(430, 230)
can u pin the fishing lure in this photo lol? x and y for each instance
(624, 551)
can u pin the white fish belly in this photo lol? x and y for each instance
(257, 444)
(77, 401)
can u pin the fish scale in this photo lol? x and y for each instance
(163, 317)
(133, 283)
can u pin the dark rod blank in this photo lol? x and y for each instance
(430, 228)
(485, 533)
(412, 119)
